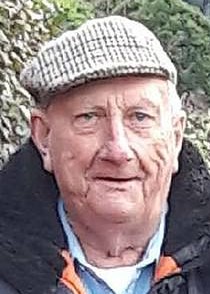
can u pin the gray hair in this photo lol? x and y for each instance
(174, 99)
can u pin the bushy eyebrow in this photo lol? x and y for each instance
(143, 104)
(140, 104)
(138, 99)
(145, 99)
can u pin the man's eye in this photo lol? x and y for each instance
(86, 119)
(140, 116)
(87, 116)
(139, 120)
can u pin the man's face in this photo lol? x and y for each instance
(112, 146)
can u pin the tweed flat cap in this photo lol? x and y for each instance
(101, 48)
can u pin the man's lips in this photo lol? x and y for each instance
(116, 183)
(116, 179)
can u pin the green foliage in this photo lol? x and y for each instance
(183, 31)
(198, 131)
(22, 31)
(71, 14)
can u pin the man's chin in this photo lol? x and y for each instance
(115, 207)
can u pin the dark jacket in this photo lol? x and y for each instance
(33, 244)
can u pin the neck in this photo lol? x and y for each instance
(113, 245)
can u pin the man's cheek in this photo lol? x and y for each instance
(69, 173)
(155, 159)
(152, 156)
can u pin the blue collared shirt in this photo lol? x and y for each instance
(132, 278)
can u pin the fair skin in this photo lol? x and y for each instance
(112, 146)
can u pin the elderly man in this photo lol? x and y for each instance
(85, 204)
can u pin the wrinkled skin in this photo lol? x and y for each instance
(113, 147)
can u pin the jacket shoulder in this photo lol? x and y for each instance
(5, 288)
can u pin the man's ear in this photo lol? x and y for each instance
(40, 131)
(179, 127)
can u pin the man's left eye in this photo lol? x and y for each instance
(140, 116)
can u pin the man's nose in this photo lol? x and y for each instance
(117, 146)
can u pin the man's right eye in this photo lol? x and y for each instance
(86, 119)
(87, 116)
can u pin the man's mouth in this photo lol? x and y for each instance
(115, 179)
(116, 183)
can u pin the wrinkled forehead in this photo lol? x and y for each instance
(124, 92)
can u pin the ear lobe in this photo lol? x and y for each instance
(40, 132)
